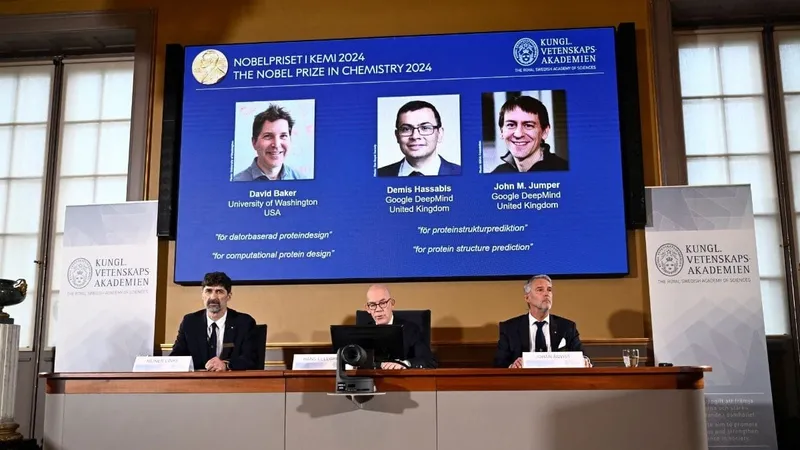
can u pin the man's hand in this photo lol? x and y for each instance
(392, 366)
(516, 364)
(216, 365)
(587, 361)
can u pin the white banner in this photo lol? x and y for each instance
(705, 302)
(106, 310)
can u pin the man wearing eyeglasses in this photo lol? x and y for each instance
(419, 130)
(418, 354)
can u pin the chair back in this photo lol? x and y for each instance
(261, 342)
(421, 317)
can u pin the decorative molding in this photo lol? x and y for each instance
(598, 361)
(603, 352)
(590, 342)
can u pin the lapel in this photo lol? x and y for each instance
(555, 333)
(229, 337)
(525, 333)
(202, 336)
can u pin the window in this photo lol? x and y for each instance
(788, 43)
(92, 152)
(94, 147)
(728, 140)
(24, 110)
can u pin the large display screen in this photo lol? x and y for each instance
(449, 156)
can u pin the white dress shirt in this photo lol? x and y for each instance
(545, 329)
(431, 168)
(220, 330)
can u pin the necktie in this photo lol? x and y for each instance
(212, 340)
(416, 174)
(540, 343)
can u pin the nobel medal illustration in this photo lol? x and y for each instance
(209, 67)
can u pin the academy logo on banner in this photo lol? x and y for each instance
(107, 276)
(702, 263)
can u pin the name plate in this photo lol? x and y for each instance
(316, 361)
(551, 360)
(163, 364)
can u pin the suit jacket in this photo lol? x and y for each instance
(416, 351)
(446, 168)
(515, 338)
(238, 346)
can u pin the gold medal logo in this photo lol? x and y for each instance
(209, 67)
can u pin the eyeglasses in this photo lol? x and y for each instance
(425, 129)
(372, 306)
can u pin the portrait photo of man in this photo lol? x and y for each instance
(284, 149)
(529, 134)
(424, 139)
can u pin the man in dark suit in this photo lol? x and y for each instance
(419, 130)
(418, 354)
(538, 330)
(217, 338)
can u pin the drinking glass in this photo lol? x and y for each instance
(626, 357)
(634, 355)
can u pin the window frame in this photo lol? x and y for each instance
(57, 177)
(673, 158)
(32, 299)
(142, 23)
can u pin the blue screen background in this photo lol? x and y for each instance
(585, 235)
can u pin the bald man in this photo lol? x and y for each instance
(418, 354)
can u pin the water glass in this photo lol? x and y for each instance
(634, 357)
(626, 357)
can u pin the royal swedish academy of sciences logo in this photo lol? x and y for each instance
(526, 52)
(669, 260)
(209, 67)
(79, 273)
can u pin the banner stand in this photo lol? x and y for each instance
(105, 314)
(705, 300)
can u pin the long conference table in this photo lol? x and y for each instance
(446, 409)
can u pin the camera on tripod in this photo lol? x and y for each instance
(364, 347)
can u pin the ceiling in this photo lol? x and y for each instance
(684, 13)
(709, 11)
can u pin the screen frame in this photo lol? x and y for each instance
(516, 276)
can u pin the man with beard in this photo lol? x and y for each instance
(524, 125)
(537, 330)
(272, 140)
(419, 130)
(218, 338)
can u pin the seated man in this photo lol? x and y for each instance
(217, 337)
(418, 354)
(538, 329)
